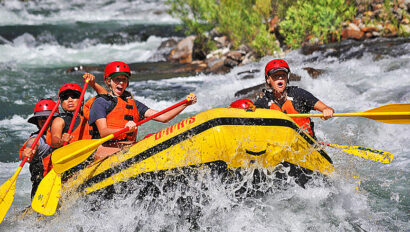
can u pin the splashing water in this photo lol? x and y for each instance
(360, 195)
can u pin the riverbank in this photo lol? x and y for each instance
(377, 19)
(223, 60)
(47, 37)
(374, 23)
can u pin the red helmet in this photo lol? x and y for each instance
(276, 65)
(242, 104)
(70, 86)
(117, 67)
(43, 108)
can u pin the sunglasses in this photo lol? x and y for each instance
(119, 79)
(64, 97)
(42, 118)
(278, 76)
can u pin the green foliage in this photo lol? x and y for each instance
(279, 7)
(318, 19)
(194, 15)
(389, 16)
(243, 21)
(247, 21)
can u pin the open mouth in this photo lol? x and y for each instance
(119, 88)
(281, 84)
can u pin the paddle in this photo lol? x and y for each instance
(398, 113)
(48, 192)
(366, 153)
(75, 153)
(7, 189)
(70, 129)
(45, 200)
(78, 151)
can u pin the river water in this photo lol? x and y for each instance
(39, 40)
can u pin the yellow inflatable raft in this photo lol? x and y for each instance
(235, 138)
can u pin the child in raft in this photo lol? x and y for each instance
(112, 112)
(38, 157)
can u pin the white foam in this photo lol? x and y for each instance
(59, 12)
(21, 128)
(25, 54)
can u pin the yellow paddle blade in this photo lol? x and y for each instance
(73, 154)
(395, 113)
(366, 153)
(45, 200)
(7, 194)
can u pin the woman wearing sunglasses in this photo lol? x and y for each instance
(69, 95)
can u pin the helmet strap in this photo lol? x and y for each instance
(107, 83)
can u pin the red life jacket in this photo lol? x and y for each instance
(80, 131)
(288, 108)
(47, 164)
(48, 137)
(87, 107)
(118, 115)
(46, 161)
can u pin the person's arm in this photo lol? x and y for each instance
(28, 152)
(98, 88)
(105, 131)
(166, 117)
(57, 137)
(326, 110)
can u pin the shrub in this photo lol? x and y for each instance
(315, 19)
(243, 21)
(194, 15)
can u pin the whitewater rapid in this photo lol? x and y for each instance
(33, 64)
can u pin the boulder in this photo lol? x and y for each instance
(222, 41)
(294, 77)
(235, 55)
(183, 51)
(314, 73)
(169, 43)
(217, 65)
(369, 29)
(230, 63)
(352, 34)
(251, 92)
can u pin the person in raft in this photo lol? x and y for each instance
(116, 110)
(38, 157)
(289, 99)
(69, 95)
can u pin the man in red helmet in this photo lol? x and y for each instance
(118, 109)
(289, 99)
(37, 155)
